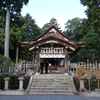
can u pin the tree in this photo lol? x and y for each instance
(45, 28)
(82, 30)
(16, 35)
(53, 21)
(30, 30)
(10, 7)
(74, 28)
(93, 13)
(22, 29)
(2, 26)
(92, 37)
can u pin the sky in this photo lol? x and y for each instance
(63, 10)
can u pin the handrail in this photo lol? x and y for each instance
(73, 85)
(29, 84)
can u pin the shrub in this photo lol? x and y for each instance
(1, 82)
(5, 63)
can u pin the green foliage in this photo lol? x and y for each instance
(2, 26)
(45, 28)
(92, 30)
(10, 9)
(53, 21)
(30, 30)
(15, 6)
(24, 55)
(74, 28)
(93, 83)
(5, 63)
(93, 10)
(86, 30)
(15, 31)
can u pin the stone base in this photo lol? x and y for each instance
(6, 89)
(20, 89)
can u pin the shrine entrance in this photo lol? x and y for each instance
(53, 55)
(53, 46)
(54, 64)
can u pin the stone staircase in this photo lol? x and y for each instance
(51, 84)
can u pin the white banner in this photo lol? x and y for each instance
(52, 55)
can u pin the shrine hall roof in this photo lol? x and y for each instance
(53, 35)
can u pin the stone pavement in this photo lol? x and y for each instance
(12, 92)
(19, 93)
(49, 97)
(89, 94)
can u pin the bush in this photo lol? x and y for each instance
(5, 63)
(1, 82)
(93, 83)
(14, 82)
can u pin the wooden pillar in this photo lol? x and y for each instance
(38, 60)
(66, 61)
(33, 57)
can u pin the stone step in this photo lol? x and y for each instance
(66, 87)
(51, 79)
(51, 92)
(48, 85)
(51, 76)
(50, 88)
(51, 84)
(39, 77)
(46, 82)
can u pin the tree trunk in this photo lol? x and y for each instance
(6, 47)
(17, 51)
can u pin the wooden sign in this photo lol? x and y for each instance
(79, 73)
(88, 73)
(98, 74)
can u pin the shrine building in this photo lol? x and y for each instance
(53, 46)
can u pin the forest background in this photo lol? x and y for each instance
(24, 28)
